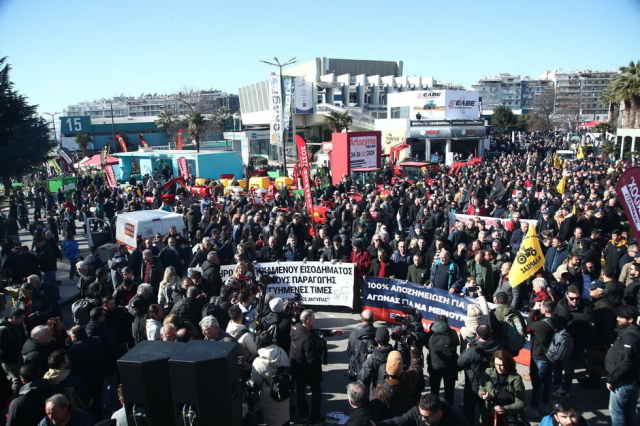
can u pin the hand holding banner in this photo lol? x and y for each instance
(629, 196)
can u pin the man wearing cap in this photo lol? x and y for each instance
(36, 305)
(546, 223)
(373, 370)
(337, 253)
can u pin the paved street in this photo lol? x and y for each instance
(592, 402)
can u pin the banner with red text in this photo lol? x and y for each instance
(303, 155)
(123, 144)
(111, 177)
(180, 139)
(629, 196)
(184, 169)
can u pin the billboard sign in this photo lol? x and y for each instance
(444, 105)
(303, 97)
(363, 151)
(274, 89)
(461, 104)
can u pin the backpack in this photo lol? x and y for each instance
(80, 311)
(270, 325)
(513, 333)
(561, 345)
(359, 355)
(442, 352)
(394, 391)
(282, 384)
(216, 310)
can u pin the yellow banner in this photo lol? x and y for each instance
(562, 185)
(580, 154)
(528, 260)
(55, 166)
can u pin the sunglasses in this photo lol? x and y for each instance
(573, 299)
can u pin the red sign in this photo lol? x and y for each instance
(179, 139)
(628, 193)
(111, 177)
(123, 144)
(144, 143)
(184, 169)
(303, 155)
(129, 229)
(327, 146)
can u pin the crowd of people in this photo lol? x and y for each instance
(170, 288)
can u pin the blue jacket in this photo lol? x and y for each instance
(455, 280)
(71, 249)
(293, 255)
(554, 258)
(548, 420)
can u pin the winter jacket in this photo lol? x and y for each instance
(112, 348)
(543, 334)
(169, 257)
(441, 330)
(74, 387)
(374, 368)
(515, 388)
(269, 358)
(450, 417)
(211, 272)
(578, 322)
(156, 275)
(189, 309)
(360, 331)
(12, 338)
(152, 328)
(554, 258)
(116, 263)
(468, 331)
(306, 355)
(28, 408)
(245, 338)
(515, 294)
(548, 420)
(71, 249)
(78, 418)
(623, 358)
(374, 270)
(35, 353)
(47, 258)
(475, 360)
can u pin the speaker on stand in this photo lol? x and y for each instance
(205, 383)
(146, 384)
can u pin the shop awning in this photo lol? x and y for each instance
(96, 161)
(591, 124)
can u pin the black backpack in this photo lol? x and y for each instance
(270, 325)
(282, 384)
(359, 356)
(442, 352)
(216, 310)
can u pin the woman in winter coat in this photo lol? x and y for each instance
(269, 358)
(476, 315)
(168, 283)
(502, 390)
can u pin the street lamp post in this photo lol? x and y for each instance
(113, 129)
(284, 138)
(53, 121)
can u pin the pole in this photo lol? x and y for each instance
(53, 121)
(113, 129)
(284, 138)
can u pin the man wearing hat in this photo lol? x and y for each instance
(374, 370)
(337, 253)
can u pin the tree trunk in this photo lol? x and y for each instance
(635, 112)
(626, 114)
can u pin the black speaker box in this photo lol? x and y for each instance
(205, 383)
(146, 384)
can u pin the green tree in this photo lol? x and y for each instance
(197, 127)
(339, 121)
(604, 128)
(503, 119)
(624, 89)
(220, 118)
(24, 136)
(83, 140)
(522, 122)
(170, 122)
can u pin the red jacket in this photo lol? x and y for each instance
(361, 262)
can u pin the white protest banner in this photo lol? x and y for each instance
(489, 221)
(318, 283)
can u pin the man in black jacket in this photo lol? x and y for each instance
(365, 328)
(623, 365)
(173, 255)
(358, 398)
(29, 407)
(473, 361)
(577, 314)
(38, 347)
(431, 411)
(306, 365)
(373, 370)
(12, 337)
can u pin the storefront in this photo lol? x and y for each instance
(442, 137)
(252, 143)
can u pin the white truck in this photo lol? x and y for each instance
(133, 226)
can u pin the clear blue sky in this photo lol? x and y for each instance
(64, 52)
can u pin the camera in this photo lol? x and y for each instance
(403, 334)
(472, 289)
(322, 345)
(266, 279)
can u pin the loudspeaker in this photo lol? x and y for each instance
(205, 383)
(146, 384)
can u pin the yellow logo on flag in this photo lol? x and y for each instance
(529, 259)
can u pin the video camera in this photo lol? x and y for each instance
(403, 334)
(265, 280)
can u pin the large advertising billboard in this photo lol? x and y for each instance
(460, 104)
(364, 151)
(303, 93)
(443, 104)
(276, 109)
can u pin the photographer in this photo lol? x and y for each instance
(282, 322)
(374, 370)
(307, 350)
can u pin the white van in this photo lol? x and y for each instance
(566, 154)
(133, 226)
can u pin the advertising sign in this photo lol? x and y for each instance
(428, 104)
(179, 140)
(103, 156)
(629, 196)
(363, 151)
(135, 166)
(66, 155)
(274, 92)
(184, 169)
(303, 97)
(111, 177)
(392, 138)
(123, 144)
(461, 104)
(288, 89)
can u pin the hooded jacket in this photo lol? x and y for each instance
(475, 359)
(28, 408)
(441, 328)
(578, 321)
(74, 387)
(374, 367)
(153, 327)
(621, 361)
(269, 358)
(245, 339)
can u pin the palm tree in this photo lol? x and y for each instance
(624, 89)
(197, 127)
(169, 121)
(339, 121)
(220, 118)
(83, 140)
